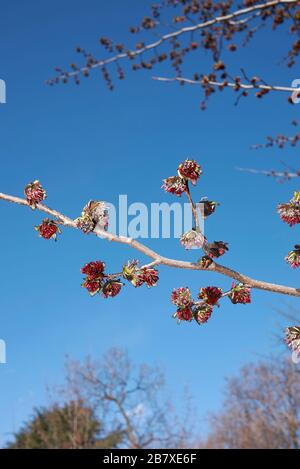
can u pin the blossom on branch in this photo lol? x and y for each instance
(192, 239)
(111, 288)
(34, 193)
(190, 170)
(202, 313)
(48, 229)
(210, 295)
(140, 275)
(240, 293)
(94, 214)
(181, 297)
(174, 185)
(290, 212)
(94, 270)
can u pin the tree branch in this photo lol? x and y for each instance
(159, 259)
(132, 54)
(225, 83)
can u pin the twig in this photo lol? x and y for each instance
(223, 84)
(131, 54)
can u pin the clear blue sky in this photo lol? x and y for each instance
(85, 142)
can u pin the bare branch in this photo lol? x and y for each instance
(223, 84)
(253, 10)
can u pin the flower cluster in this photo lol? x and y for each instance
(201, 311)
(138, 276)
(188, 170)
(293, 257)
(48, 229)
(96, 281)
(290, 212)
(34, 193)
(192, 239)
(240, 293)
(188, 309)
(210, 295)
(174, 185)
(292, 338)
(94, 214)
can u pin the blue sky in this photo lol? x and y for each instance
(85, 142)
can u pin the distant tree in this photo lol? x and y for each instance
(107, 404)
(71, 426)
(261, 409)
(131, 399)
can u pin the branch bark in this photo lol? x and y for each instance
(158, 258)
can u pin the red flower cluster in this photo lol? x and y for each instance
(181, 297)
(97, 281)
(188, 309)
(293, 257)
(140, 275)
(94, 270)
(48, 229)
(210, 295)
(240, 293)
(174, 185)
(111, 288)
(190, 170)
(34, 193)
(216, 249)
(202, 313)
(290, 212)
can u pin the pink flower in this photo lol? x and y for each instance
(149, 276)
(94, 270)
(48, 229)
(174, 185)
(240, 294)
(190, 170)
(181, 297)
(202, 313)
(34, 193)
(184, 314)
(111, 288)
(290, 212)
(92, 286)
(210, 295)
(192, 239)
